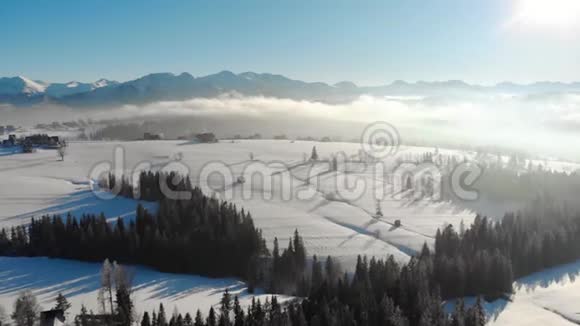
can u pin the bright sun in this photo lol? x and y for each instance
(560, 14)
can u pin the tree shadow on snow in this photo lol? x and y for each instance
(550, 276)
(86, 202)
(47, 277)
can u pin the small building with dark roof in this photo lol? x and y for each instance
(207, 137)
(53, 317)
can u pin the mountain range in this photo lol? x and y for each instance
(21, 91)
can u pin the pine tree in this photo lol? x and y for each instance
(146, 321)
(124, 306)
(226, 307)
(331, 269)
(238, 313)
(316, 274)
(154, 319)
(314, 155)
(198, 319)
(479, 318)
(299, 252)
(458, 318)
(83, 320)
(275, 267)
(62, 303)
(211, 318)
(187, 320)
(161, 317)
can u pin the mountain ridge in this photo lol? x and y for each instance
(155, 87)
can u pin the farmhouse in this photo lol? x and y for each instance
(27, 147)
(42, 140)
(11, 141)
(52, 317)
(92, 319)
(207, 137)
(152, 136)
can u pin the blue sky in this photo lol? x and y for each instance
(368, 42)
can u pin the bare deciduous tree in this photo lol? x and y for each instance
(61, 151)
(107, 285)
(3, 316)
(26, 309)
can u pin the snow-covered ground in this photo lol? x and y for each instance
(553, 293)
(549, 297)
(300, 195)
(80, 282)
(297, 195)
(38, 183)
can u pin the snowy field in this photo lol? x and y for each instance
(38, 183)
(548, 297)
(296, 195)
(80, 282)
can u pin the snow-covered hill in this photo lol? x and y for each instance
(296, 195)
(329, 226)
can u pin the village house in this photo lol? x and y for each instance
(152, 136)
(42, 140)
(11, 141)
(207, 137)
(53, 317)
(92, 319)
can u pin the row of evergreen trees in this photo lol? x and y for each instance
(481, 260)
(150, 186)
(512, 182)
(487, 257)
(202, 235)
(348, 301)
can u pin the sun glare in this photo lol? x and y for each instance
(560, 14)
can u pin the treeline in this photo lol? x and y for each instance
(487, 257)
(514, 181)
(125, 131)
(201, 235)
(150, 186)
(288, 267)
(363, 299)
(527, 183)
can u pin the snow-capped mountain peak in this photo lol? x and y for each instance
(21, 85)
(58, 90)
(33, 86)
(103, 83)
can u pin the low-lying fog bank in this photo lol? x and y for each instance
(543, 123)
